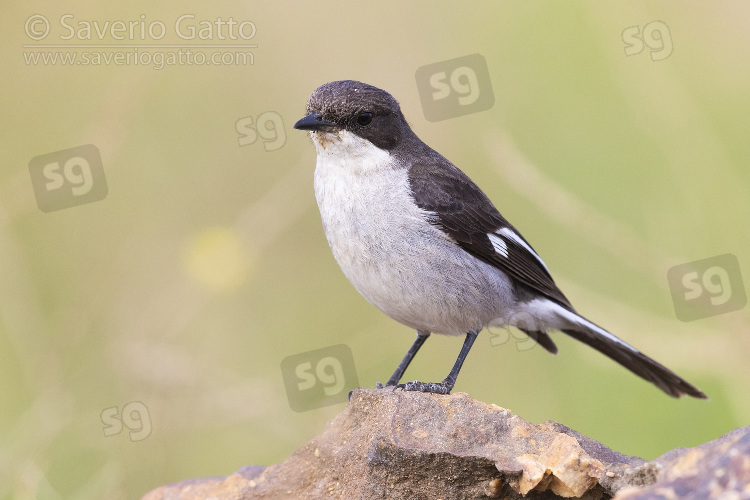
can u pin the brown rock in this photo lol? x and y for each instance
(717, 469)
(396, 444)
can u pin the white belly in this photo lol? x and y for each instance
(408, 269)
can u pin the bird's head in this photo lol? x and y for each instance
(349, 107)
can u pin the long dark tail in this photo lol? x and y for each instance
(578, 327)
(638, 363)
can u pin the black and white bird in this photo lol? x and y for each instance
(420, 241)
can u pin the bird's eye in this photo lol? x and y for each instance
(364, 118)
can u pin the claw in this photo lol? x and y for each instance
(430, 387)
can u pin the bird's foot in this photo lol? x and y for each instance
(431, 387)
(388, 384)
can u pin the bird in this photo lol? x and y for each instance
(418, 239)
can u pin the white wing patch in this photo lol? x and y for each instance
(498, 244)
(510, 234)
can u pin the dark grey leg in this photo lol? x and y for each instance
(421, 337)
(446, 385)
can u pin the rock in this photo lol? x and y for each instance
(717, 469)
(396, 444)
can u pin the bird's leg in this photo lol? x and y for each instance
(421, 337)
(446, 385)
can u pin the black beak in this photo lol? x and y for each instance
(314, 121)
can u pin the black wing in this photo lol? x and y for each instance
(465, 213)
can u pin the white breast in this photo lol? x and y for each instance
(399, 262)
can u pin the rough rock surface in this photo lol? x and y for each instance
(396, 444)
(717, 469)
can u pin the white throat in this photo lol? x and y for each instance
(343, 149)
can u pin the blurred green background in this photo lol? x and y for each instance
(206, 264)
